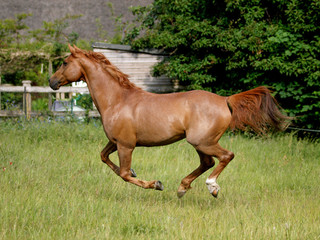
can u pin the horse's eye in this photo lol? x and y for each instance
(64, 63)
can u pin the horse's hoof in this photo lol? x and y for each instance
(213, 187)
(215, 193)
(158, 186)
(180, 194)
(133, 173)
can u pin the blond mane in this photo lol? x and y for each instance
(121, 77)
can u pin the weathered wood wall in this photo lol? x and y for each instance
(138, 65)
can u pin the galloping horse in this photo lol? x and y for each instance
(132, 117)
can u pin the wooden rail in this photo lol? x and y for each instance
(27, 90)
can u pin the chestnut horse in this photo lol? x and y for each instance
(132, 117)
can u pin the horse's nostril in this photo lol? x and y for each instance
(54, 84)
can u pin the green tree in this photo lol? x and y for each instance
(53, 35)
(121, 27)
(10, 30)
(233, 45)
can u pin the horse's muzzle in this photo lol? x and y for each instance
(54, 83)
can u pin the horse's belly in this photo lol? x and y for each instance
(158, 142)
(159, 137)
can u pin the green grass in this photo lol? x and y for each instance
(58, 188)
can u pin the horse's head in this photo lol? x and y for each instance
(69, 71)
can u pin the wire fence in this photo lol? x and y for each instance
(304, 129)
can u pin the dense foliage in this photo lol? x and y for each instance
(230, 46)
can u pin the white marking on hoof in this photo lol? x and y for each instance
(212, 186)
(180, 194)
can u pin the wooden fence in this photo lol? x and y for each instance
(27, 90)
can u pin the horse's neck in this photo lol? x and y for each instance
(104, 90)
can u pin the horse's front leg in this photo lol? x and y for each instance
(125, 157)
(110, 148)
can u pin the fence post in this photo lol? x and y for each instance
(26, 98)
(0, 84)
(49, 101)
(50, 94)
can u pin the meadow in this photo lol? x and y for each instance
(53, 185)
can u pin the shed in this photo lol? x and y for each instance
(138, 65)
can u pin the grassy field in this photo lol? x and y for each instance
(54, 186)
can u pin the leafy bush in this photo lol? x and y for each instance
(40, 104)
(85, 101)
(237, 45)
(11, 101)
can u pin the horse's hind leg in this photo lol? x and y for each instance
(206, 162)
(224, 156)
(110, 148)
(125, 155)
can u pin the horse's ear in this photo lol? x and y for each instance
(76, 48)
(72, 49)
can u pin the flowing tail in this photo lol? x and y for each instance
(258, 110)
